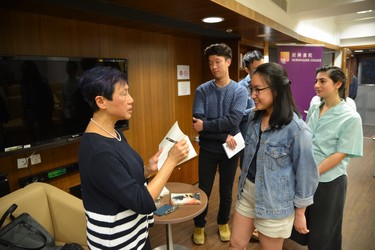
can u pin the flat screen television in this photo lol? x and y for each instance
(40, 101)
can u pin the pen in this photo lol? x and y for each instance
(171, 140)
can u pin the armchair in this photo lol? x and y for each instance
(59, 212)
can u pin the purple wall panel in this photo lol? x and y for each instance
(300, 62)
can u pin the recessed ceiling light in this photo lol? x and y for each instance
(213, 19)
(364, 11)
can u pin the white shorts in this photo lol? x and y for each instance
(274, 228)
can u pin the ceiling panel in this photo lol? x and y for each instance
(341, 10)
(181, 18)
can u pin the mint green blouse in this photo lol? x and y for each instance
(338, 130)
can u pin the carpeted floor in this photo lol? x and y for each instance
(368, 130)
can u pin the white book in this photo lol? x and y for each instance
(240, 145)
(173, 136)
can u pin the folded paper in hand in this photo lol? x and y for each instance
(174, 134)
(240, 145)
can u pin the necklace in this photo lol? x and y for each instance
(117, 135)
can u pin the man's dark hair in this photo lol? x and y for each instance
(252, 56)
(218, 49)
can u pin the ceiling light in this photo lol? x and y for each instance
(364, 11)
(213, 19)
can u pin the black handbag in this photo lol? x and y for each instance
(24, 232)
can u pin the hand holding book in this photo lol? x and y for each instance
(172, 137)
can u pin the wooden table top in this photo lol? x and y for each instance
(183, 212)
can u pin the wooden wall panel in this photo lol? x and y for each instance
(153, 60)
(52, 158)
(187, 172)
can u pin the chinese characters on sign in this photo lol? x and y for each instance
(287, 56)
(300, 62)
(183, 73)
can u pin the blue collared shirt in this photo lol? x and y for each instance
(338, 130)
(287, 175)
(249, 104)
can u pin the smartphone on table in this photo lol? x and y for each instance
(165, 209)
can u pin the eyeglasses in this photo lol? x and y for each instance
(256, 91)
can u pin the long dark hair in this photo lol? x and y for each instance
(283, 104)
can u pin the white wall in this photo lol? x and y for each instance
(349, 33)
(338, 58)
(365, 102)
(325, 28)
(314, 29)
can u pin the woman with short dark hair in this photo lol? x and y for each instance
(117, 199)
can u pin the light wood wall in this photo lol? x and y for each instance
(153, 60)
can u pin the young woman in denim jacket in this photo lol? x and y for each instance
(279, 175)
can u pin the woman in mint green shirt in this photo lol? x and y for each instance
(337, 137)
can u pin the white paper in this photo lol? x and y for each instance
(183, 88)
(175, 134)
(240, 145)
(164, 192)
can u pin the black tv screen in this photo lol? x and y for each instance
(40, 101)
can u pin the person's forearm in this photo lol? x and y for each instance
(330, 162)
(224, 124)
(147, 172)
(300, 220)
(161, 178)
(299, 211)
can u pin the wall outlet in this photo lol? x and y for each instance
(35, 159)
(22, 163)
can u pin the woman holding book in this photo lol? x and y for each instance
(118, 201)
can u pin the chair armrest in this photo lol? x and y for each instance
(68, 216)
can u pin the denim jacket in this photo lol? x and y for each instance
(287, 175)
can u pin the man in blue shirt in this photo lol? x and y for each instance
(219, 105)
(251, 61)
